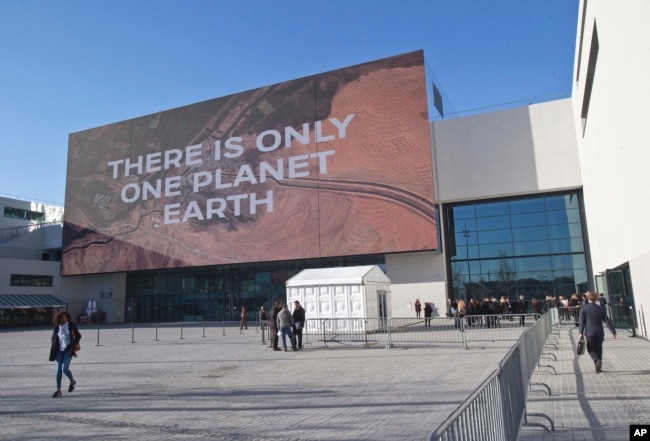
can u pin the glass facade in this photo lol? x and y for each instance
(533, 246)
(219, 292)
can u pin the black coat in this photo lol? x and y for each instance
(299, 317)
(592, 317)
(274, 318)
(75, 337)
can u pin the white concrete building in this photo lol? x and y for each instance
(30, 255)
(610, 106)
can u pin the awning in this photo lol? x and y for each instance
(26, 301)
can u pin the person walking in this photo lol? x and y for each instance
(264, 317)
(242, 319)
(285, 325)
(65, 344)
(591, 328)
(428, 310)
(298, 322)
(275, 339)
(418, 308)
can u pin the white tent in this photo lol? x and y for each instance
(341, 293)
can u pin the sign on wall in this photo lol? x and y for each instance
(332, 164)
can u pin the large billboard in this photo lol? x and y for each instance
(332, 164)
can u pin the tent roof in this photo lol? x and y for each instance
(339, 275)
(26, 301)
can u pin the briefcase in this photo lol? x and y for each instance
(581, 346)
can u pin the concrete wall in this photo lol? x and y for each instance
(31, 267)
(523, 150)
(615, 144)
(107, 290)
(416, 276)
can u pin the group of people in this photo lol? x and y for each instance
(591, 315)
(283, 323)
(489, 306)
(428, 310)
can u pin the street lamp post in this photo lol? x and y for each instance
(469, 271)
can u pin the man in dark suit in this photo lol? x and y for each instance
(592, 317)
(275, 339)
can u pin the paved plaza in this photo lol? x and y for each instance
(221, 383)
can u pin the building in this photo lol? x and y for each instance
(30, 256)
(193, 212)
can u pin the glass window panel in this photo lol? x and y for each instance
(468, 225)
(470, 252)
(492, 209)
(526, 206)
(568, 262)
(539, 263)
(498, 269)
(564, 231)
(562, 217)
(562, 202)
(530, 233)
(496, 250)
(495, 236)
(531, 247)
(566, 246)
(464, 212)
(573, 216)
(493, 222)
(528, 220)
(580, 277)
(548, 229)
(467, 238)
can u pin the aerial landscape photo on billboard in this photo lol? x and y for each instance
(333, 164)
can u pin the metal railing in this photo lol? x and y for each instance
(7, 234)
(569, 315)
(496, 410)
(434, 330)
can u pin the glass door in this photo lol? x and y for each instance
(621, 297)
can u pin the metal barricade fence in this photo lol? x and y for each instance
(495, 327)
(386, 331)
(434, 330)
(569, 315)
(359, 330)
(428, 330)
(497, 408)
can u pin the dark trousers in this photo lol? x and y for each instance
(595, 347)
(275, 339)
(298, 335)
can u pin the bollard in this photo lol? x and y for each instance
(181, 329)
(203, 328)
(97, 334)
(157, 331)
(132, 322)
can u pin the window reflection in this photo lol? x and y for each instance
(532, 246)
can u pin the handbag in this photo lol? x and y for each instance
(77, 347)
(581, 346)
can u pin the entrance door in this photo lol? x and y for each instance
(621, 297)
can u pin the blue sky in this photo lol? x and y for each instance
(71, 65)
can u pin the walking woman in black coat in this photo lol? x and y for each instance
(65, 341)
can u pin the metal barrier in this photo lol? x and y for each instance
(359, 330)
(495, 327)
(434, 330)
(569, 315)
(496, 410)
